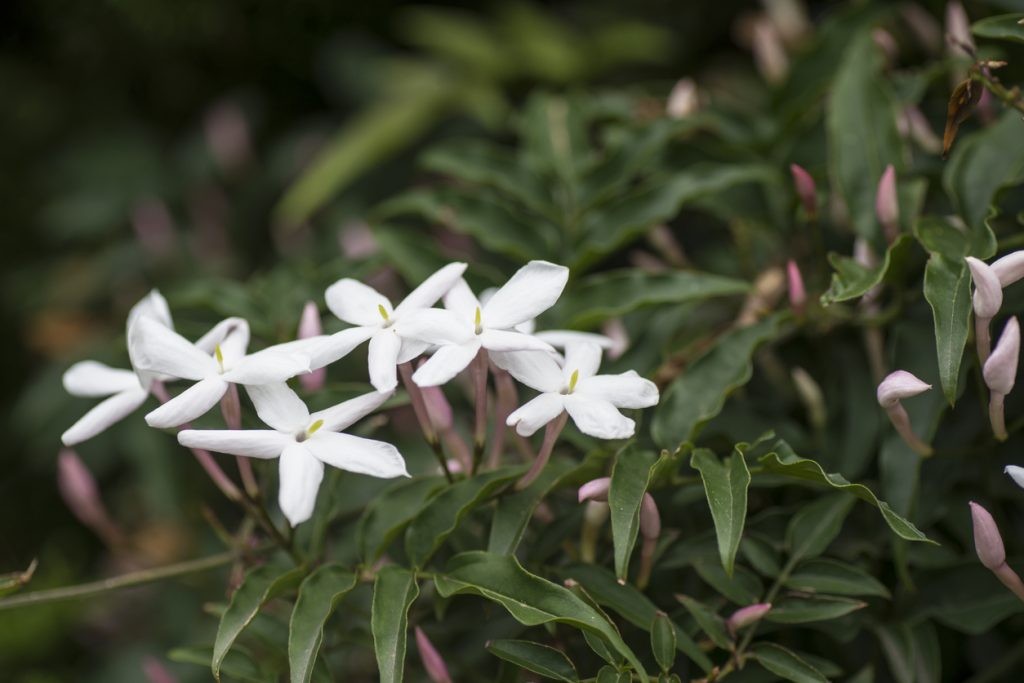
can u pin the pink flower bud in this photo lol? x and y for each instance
(899, 385)
(887, 206)
(596, 489)
(650, 519)
(887, 44)
(1010, 268)
(745, 616)
(683, 99)
(1016, 473)
(769, 52)
(227, 134)
(81, 495)
(863, 254)
(988, 293)
(1000, 370)
(805, 189)
(988, 543)
(309, 327)
(156, 672)
(231, 408)
(795, 282)
(914, 125)
(437, 671)
(438, 408)
(958, 30)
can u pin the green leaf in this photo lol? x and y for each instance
(708, 621)
(853, 280)
(513, 512)
(663, 641)
(630, 477)
(238, 664)
(811, 530)
(981, 164)
(442, 514)
(911, 651)
(610, 294)
(725, 486)
(319, 595)
(805, 610)
(260, 586)
(530, 599)
(699, 393)
(833, 576)
(394, 591)
(862, 134)
(1000, 27)
(540, 659)
(947, 289)
(743, 587)
(786, 663)
(630, 604)
(791, 465)
(388, 514)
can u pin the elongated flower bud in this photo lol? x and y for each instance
(1009, 268)
(958, 30)
(805, 189)
(595, 514)
(437, 671)
(438, 408)
(683, 99)
(988, 293)
(309, 327)
(1001, 368)
(887, 206)
(1016, 473)
(745, 616)
(988, 542)
(899, 385)
(650, 519)
(81, 495)
(914, 125)
(156, 672)
(795, 283)
(596, 489)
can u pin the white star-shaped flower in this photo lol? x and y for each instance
(304, 442)
(591, 400)
(466, 325)
(556, 338)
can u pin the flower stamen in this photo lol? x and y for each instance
(220, 357)
(572, 382)
(477, 327)
(384, 314)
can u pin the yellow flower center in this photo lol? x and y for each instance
(477, 327)
(220, 356)
(572, 382)
(313, 427)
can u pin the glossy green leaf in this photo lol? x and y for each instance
(663, 641)
(513, 512)
(793, 610)
(786, 463)
(630, 478)
(709, 622)
(744, 587)
(786, 663)
(238, 664)
(260, 586)
(833, 576)
(394, 591)
(912, 651)
(699, 393)
(725, 486)
(608, 674)
(388, 514)
(540, 659)
(981, 164)
(1000, 27)
(813, 529)
(319, 595)
(851, 280)
(442, 514)
(527, 597)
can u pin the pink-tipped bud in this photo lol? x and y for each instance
(309, 327)
(650, 519)
(887, 206)
(1016, 473)
(683, 100)
(745, 616)
(988, 543)
(1000, 370)
(437, 671)
(1010, 268)
(156, 672)
(769, 51)
(80, 493)
(596, 489)
(863, 254)
(438, 408)
(914, 125)
(887, 44)
(795, 283)
(806, 190)
(958, 30)
(231, 408)
(988, 293)
(899, 385)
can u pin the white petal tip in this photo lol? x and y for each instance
(899, 385)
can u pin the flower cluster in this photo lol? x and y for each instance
(496, 328)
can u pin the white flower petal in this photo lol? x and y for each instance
(561, 339)
(347, 413)
(431, 289)
(251, 443)
(383, 359)
(208, 342)
(326, 349)
(532, 290)
(628, 390)
(279, 407)
(988, 293)
(359, 455)
(91, 378)
(1016, 473)
(536, 369)
(153, 305)
(507, 340)
(104, 414)
(1009, 268)
(461, 301)
(536, 413)
(1000, 371)
(598, 418)
(435, 326)
(356, 303)
(899, 385)
(300, 475)
(234, 346)
(155, 348)
(271, 365)
(189, 404)
(412, 349)
(446, 362)
(585, 357)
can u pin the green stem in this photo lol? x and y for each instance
(773, 593)
(1011, 97)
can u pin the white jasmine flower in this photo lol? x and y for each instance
(380, 322)
(591, 400)
(559, 339)
(466, 325)
(304, 442)
(156, 348)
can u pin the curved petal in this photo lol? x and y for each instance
(155, 348)
(412, 349)
(507, 340)
(269, 366)
(435, 326)
(461, 301)
(91, 378)
(356, 454)
(532, 290)
(326, 349)
(251, 443)
(628, 390)
(431, 289)
(347, 413)
(189, 404)
(536, 413)
(383, 360)
(598, 418)
(219, 332)
(300, 475)
(446, 362)
(356, 303)
(536, 369)
(234, 346)
(585, 357)
(279, 407)
(561, 339)
(104, 414)
(154, 306)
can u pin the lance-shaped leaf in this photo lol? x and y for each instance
(513, 512)
(852, 280)
(709, 622)
(394, 591)
(238, 664)
(832, 576)
(663, 641)
(388, 514)
(983, 163)
(530, 599)
(442, 514)
(811, 530)
(783, 461)
(319, 595)
(630, 477)
(1001, 27)
(540, 659)
(725, 486)
(817, 608)
(786, 663)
